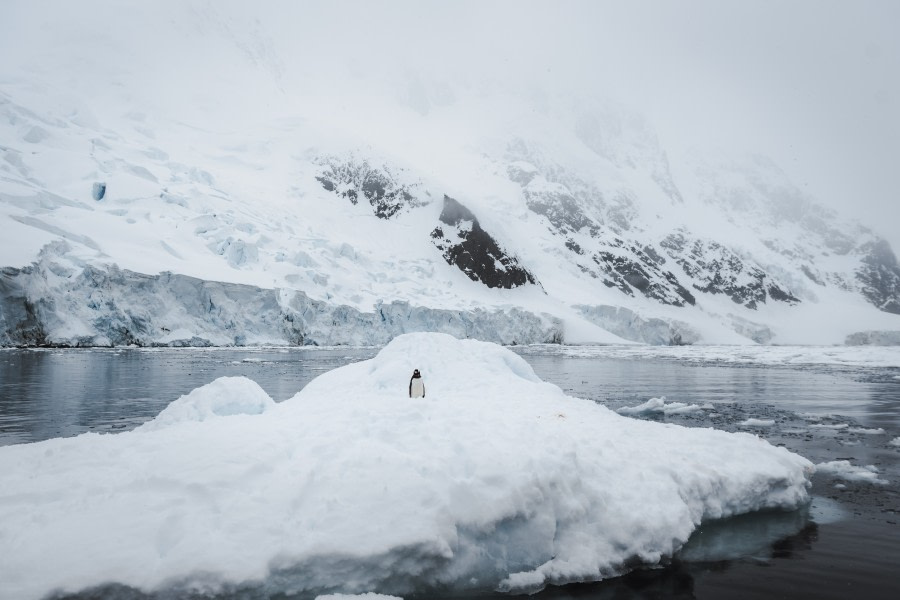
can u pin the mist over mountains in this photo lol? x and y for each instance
(209, 173)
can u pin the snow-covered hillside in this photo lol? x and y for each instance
(175, 177)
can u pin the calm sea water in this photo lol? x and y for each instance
(847, 545)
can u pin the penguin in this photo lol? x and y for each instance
(416, 385)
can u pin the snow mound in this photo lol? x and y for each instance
(224, 397)
(659, 405)
(494, 480)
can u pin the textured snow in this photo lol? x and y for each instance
(496, 480)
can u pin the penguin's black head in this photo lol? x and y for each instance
(416, 372)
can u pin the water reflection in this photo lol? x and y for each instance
(58, 393)
(758, 535)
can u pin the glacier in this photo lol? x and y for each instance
(57, 303)
(497, 480)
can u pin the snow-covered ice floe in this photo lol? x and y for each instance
(494, 480)
(843, 469)
(659, 405)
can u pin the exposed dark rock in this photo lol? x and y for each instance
(643, 274)
(808, 272)
(521, 173)
(655, 256)
(560, 209)
(573, 246)
(880, 276)
(379, 186)
(465, 244)
(717, 270)
(776, 293)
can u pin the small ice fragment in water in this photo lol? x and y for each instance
(844, 470)
(659, 405)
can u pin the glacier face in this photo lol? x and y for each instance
(56, 303)
(464, 209)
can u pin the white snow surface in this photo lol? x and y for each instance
(496, 480)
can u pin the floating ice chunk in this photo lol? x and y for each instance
(895, 441)
(659, 405)
(751, 422)
(223, 397)
(864, 431)
(369, 596)
(834, 426)
(848, 472)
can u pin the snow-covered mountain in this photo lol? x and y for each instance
(175, 178)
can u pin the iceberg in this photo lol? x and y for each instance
(496, 480)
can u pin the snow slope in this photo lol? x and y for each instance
(227, 157)
(496, 480)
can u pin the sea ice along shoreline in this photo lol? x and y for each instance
(496, 480)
